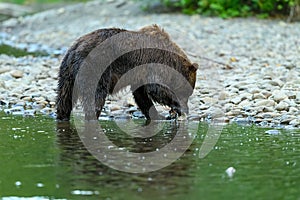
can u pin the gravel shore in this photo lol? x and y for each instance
(262, 85)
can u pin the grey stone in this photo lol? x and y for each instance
(254, 90)
(286, 118)
(114, 107)
(295, 122)
(291, 95)
(215, 112)
(282, 106)
(293, 110)
(29, 112)
(258, 96)
(209, 100)
(276, 83)
(268, 109)
(265, 102)
(16, 74)
(4, 69)
(245, 103)
(203, 107)
(246, 95)
(223, 95)
(236, 100)
(279, 95)
(266, 93)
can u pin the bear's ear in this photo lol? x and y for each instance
(194, 67)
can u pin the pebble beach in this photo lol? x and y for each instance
(249, 69)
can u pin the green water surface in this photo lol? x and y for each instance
(41, 160)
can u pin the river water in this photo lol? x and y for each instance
(41, 159)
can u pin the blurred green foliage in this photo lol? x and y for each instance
(232, 8)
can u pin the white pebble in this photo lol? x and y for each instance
(230, 171)
(40, 185)
(18, 183)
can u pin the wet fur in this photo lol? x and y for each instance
(145, 95)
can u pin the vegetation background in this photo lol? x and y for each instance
(220, 8)
(233, 8)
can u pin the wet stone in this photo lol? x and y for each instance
(4, 103)
(243, 121)
(262, 123)
(122, 117)
(21, 103)
(44, 103)
(131, 109)
(272, 132)
(17, 110)
(29, 113)
(252, 113)
(269, 120)
(34, 95)
(194, 117)
(284, 119)
(295, 122)
(267, 115)
(38, 106)
(138, 115)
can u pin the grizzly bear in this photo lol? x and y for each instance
(164, 74)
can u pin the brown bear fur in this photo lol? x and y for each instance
(144, 95)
